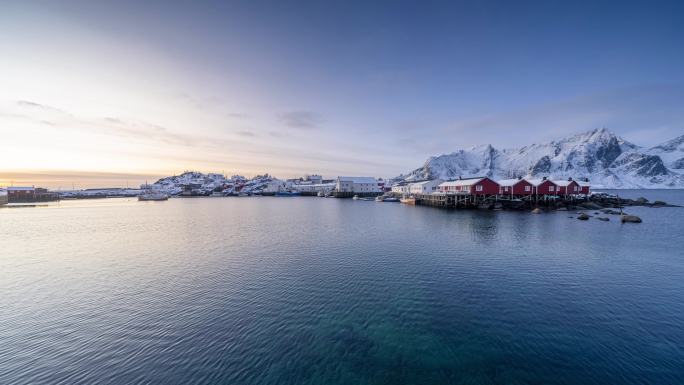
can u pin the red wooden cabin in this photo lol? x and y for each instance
(584, 187)
(544, 186)
(472, 186)
(515, 187)
(568, 187)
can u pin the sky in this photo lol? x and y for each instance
(114, 93)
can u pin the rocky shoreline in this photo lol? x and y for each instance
(606, 205)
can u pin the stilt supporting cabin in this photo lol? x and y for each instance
(495, 201)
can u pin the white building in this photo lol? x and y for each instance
(425, 187)
(314, 188)
(314, 179)
(3, 197)
(357, 184)
(402, 188)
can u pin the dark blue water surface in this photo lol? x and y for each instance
(330, 291)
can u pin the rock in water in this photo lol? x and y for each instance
(605, 219)
(641, 200)
(611, 212)
(659, 203)
(537, 211)
(591, 206)
(583, 217)
(630, 219)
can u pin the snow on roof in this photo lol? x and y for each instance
(425, 182)
(20, 188)
(357, 179)
(537, 182)
(563, 183)
(461, 182)
(509, 182)
(583, 183)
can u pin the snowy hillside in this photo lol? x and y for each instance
(205, 184)
(606, 159)
(671, 152)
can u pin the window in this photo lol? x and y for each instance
(527, 188)
(478, 188)
(550, 188)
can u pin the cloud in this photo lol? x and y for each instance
(237, 115)
(113, 120)
(44, 107)
(202, 103)
(246, 133)
(146, 131)
(306, 120)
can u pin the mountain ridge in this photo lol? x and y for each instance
(600, 155)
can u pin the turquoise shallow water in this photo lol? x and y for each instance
(327, 291)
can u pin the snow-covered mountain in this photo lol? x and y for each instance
(606, 159)
(671, 152)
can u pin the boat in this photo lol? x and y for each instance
(408, 201)
(287, 193)
(356, 197)
(153, 196)
(320, 194)
(386, 198)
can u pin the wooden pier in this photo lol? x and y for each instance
(509, 202)
(347, 194)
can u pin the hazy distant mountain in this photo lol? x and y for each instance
(606, 159)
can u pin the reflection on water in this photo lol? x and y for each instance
(328, 291)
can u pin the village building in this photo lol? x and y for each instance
(357, 184)
(384, 187)
(470, 186)
(313, 179)
(21, 194)
(517, 186)
(401, 188)
(25, 194)
(544, 186)
(568, 187)
(424, 187)
(3, 197)
(585, 186)
(313, 187)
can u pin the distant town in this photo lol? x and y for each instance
(197, 184)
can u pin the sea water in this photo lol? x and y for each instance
(306, 290)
